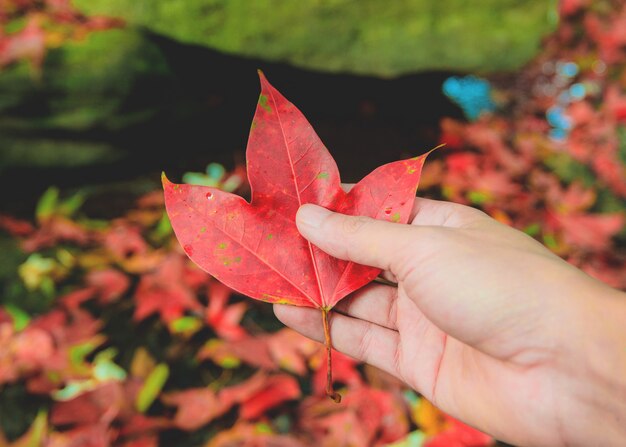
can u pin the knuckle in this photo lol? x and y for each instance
(398, 363)
(354, 224)
(392, 310)
(413, 241)
(470, 214)
(426, 237)
(421, 244)
(364, 344)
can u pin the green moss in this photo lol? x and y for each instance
(373, 37)
(83, 85)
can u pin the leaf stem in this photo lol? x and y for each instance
(330, 392)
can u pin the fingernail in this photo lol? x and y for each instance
(311, 215)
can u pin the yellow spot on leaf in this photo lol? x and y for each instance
(263, 102)
(229, 261)
(274, 299)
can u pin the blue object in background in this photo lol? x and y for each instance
(567, 69)
(560, 122)
(557, 118)
(471, 93)
(577, 91)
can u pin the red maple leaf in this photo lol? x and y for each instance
(195, 407)
(224, 318)
(276, 390)
(251, 350)
(97, 435)
(54, 230)
(28, 44)
(164, 292)
(459, 434)
(259, 393)
(15, 227)
(247, 434)
(110, 284)
(101, 405)
(255, 248)
(370, 417)
(291, 351)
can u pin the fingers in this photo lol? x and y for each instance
(355, 238)
(375, 242)
(375, 303)
(359, 339)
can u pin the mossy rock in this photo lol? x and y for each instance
(373, 37)
(53, 116)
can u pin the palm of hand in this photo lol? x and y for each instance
(507, 365)
(469, 325)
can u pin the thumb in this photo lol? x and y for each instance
(356, 238)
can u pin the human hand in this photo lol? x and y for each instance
(486, 323)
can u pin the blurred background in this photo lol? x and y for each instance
(110, 337)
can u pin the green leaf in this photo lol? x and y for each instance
(104, 367)
(73, 389)
(413, 439)
(608, 202)
(569, 170)
(80, 351)
(198, 178)
(15, 25)
(20, 318)
(152, 387)
(47, 203)
(621, 150)
(163, 228)
(232, 183)
(263, 428)
(37, 431)
(216, 171)
(532, 229)
(35, 270)
(70, 205)
(186, 325)
(478, 197)
(229, 362)
(550, 241)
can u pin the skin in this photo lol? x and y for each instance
(486, 323)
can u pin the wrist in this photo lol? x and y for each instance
(605, 342)
(598, 367)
